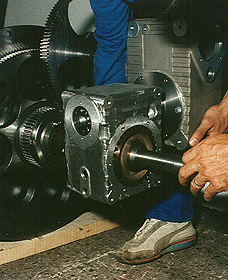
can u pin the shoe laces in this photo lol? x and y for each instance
(148, 224)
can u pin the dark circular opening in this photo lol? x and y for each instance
(81, 120)
(9, 106)
(5, 153)
(84, 174)
(210, 41)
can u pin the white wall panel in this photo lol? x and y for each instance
(35, 12)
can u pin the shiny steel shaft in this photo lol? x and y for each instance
(140, 158)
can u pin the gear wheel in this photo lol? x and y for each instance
(17, 40)
(68, 56)
(41, 137)
(22, 72)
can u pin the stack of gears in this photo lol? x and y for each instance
(31, 116)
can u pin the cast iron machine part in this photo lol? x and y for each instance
(105, 123)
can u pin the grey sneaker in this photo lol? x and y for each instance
(155, 238)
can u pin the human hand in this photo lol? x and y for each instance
(209, 160)
(214, 122)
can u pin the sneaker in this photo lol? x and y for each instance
(156, 238)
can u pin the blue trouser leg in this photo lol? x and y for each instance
(111, 22)
(178, 207)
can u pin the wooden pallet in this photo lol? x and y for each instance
(86, 225)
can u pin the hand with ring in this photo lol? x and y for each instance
(208, 160)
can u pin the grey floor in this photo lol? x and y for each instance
(93, 258)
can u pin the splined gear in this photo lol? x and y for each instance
(41, 137)
(69, 57)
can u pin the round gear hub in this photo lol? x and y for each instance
(41, 137)
(137, 135)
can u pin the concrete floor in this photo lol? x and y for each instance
(93, 258)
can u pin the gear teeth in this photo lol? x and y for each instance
(56, 36)
(45, 41)
(11, 49)
(26, 135)
(16, 53)
(44, 46)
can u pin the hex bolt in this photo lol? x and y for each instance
(178, 110)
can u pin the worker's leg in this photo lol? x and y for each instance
(177, 208)
(167, 228)
(111, 22)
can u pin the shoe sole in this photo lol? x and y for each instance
(175, 247)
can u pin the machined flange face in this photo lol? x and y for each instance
(133, 136)
(138, 129)
(171, 101)
(82, 119)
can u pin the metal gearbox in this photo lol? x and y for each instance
(116, 134)
(178, 53)
(101, 123)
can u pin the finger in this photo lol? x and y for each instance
(209, 192)
(200, 132)
(186, 171)
(190, 155)
(197, 184)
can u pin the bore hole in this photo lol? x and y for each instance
(84, 174)
(81, 120)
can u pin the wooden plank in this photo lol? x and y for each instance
(86, 225)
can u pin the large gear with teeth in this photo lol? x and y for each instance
(28, 109)
(69, 57)
(17, 40)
